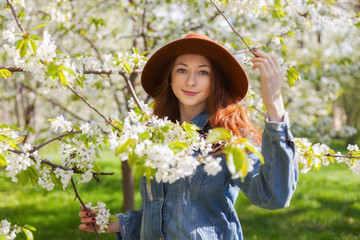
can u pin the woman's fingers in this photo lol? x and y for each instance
(88, 220)
(86, 214)
(88, 227)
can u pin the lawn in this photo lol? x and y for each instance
(326, 205)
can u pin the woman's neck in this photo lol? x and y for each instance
(188, 113)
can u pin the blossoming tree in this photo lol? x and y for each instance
(77, 64)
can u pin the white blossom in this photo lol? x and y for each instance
(45, 179)
(212, 165)
(9, 35)
(102, 215)
(353, 148)
(61, 124)
(7, 230)
(65, 176)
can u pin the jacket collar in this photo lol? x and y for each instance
(201, 120)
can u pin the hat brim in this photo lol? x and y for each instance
(236, 81)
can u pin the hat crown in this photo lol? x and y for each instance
(198, 36)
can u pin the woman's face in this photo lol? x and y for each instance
(191, 80)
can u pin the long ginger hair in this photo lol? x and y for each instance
(222, 108)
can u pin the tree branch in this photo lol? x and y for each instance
(83, 205)
(232, 27)
(132, 91)
(92, 107)
(51, 164)
(15, 16)
(343, 156)
(53, 139)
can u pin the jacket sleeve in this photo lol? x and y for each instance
(130, 225)
(271, 185)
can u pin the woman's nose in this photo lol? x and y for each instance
(191, 80)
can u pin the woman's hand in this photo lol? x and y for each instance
(88, 222)
(270, 78)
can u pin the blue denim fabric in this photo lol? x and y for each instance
(202, 206)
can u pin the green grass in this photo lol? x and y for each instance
(326, 205)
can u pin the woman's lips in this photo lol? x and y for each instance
(190, 93)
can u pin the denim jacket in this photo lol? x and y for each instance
(201, 206)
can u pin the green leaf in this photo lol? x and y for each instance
(2, 161)
(113, 218)
(144, 53)
(23, 47)
(62, 78)
(28, 234)
(39, 26)
(240, 161)
(21, 2)
(126, 66)
(96, 168)
(292, 75)
(178, 146)
(86, 142)
(33, 46)
(254, 150)
(123, 146)
(68, 70)
(55, 180)
(217, 134)
(160, 136)
(33, 175)
(190, 129)
(143, 136)
(106, 141)
(5, 73)
(19, 140)
(31, 228)
(52, 70)
(34, 37)
(139, 172)
(23, 177)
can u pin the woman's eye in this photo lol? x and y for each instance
(181, 70)
(204, 72)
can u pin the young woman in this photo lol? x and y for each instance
(194, 79)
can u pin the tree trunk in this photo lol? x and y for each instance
(128, 186)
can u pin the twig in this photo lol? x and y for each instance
(246, 50)
(15, 16)
(93, 46)
(53, 139)
(53, 102)
(12, 68)
(132, 91)
(343, 156)
(232, 27)
(51, 164)
(92, 107)
(82, 203)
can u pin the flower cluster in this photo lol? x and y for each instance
(21, 162)
(102, 215)
(168, 151)
(158, 144)
(61, 125)
(313, 156)
(7, 230)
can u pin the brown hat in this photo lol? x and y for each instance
(236, 81)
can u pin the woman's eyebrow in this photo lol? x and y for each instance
(202, 65)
